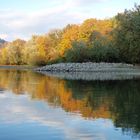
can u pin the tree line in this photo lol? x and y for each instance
(110, 40)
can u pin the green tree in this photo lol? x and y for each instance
(127, 33)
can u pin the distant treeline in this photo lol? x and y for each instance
(110, 40)
(2, 41)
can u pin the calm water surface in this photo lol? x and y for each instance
(38, 107)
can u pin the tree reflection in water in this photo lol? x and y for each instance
(115, 100)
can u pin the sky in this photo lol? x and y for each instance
(24, 18)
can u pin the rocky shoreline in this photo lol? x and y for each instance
(87, 67)
(91, 71)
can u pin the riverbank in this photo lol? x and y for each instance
(91, 71)
(17, 67)
(88, 67)
(84, 71)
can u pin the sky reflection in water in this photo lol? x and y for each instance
(33, 106)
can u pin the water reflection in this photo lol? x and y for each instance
(105, 101)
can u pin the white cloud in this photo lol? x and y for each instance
(88, 2)
(23, 24)
(4, 36)
(20, 24)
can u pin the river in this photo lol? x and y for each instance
(34, 106)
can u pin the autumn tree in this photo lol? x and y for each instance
(91, 28)
(15, 51)
(12, 52)
(70, 34)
